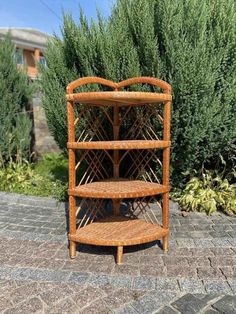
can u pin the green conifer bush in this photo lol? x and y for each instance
(190, 44)
(15, 124)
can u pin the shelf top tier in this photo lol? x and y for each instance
(116, 145)
(118, 188)
(118, 98)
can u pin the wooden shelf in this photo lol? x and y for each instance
(115, 145)
(118, 98)
(119, 231)
(118, 189)
(142, 157)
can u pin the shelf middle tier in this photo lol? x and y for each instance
(118, 189)
(115, 145)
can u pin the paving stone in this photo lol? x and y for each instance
(87, 296)
(7, 286)
(66, 306)
(167, 284)
(179, 271)
(219, 234)
(184, 252)
(222, 227)
(232, 242)
(203, 243)
(198, 261)
(221, 242)
(217, 286)
(153, 301)
(167, 310)
(191, 286)
(151, 270)
(232, 233)
(189, 304)
(97, 307)
(51, 264)
(170, 260)
(5, 303)
(189, 243)
(223, 261)
(49, 275)
(118, 298)
(76, 264)
(208, 298)
(101, 268)
(151, 260)
(209, 272)
(128, 309)
(162, 296)
(210, 310)
(126, 270)
(46, 251)
(222, 251)
(121, 281)
(5, 272)
(78, 277)
(146, 305)
(52, 296)
(226, 305)
(27, 307)
(232, 284)
(19, 294)
(228, 271)
(99, 280)
(144, 283)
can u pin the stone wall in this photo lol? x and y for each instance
(43, 140)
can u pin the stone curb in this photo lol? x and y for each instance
(28, 200)
(14, 198)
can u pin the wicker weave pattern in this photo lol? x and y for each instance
(115, 231)
(118, 189)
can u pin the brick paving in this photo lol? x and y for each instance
(197, 275)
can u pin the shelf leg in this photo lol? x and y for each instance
(119, 255)
(165, 221)
(72, 224)
(165, 243)
(72, 249)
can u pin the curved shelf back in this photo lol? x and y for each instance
(89, 80)
(146, 80)
(116, 86)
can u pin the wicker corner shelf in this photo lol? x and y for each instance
(117, 147)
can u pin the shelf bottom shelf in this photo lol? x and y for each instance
(119, 231)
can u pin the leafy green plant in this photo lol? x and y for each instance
(46, 178)
(208, 194)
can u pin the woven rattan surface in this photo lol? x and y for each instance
(118, 98)
(131, 144)
(118, 188)
(119, 230)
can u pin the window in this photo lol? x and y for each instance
(42, 61)
(19, 56)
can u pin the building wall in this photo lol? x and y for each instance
(29, 60)
(43, 140)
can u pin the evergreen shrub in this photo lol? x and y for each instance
(15, 124)
(190, 44)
